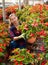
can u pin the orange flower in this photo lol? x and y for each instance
(1, 45)
(28, 51)
(46, 24)
(33, 55)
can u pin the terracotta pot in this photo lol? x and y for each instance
(31, 40)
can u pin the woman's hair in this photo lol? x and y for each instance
(11, 15)
(8, 14)
(10, 24)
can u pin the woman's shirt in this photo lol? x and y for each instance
(14, 32)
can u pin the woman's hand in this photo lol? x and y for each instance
(22, 35)
(15, 38)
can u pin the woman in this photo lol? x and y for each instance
(17, 37)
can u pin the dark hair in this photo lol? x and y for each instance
(8, 14)
(11, 24)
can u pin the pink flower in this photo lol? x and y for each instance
(42, 48)
(35, 24)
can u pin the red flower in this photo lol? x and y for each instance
(22, 57)
(17, 53)
(35, 24)
(43, 63)
(41, 7)
(32, 35)
(1, 50)
(16, 63)
(41, 33)
(21, 63)
(4, 45)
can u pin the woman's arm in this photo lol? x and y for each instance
(18, 37)
(13, 36)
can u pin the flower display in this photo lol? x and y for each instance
(8, 10)
(34, 29)
(37, 12)
(4, 39)
(35, 23)
(34, 26)
(11, 9)
(0, 14)
(24, 57)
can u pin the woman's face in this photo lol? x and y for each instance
(14, 19)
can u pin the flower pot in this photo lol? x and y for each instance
(31, 40)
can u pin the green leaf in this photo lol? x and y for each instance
(42, 36)
(0, 30)
(19, 59)
(1, 54)
(30, 21)
(3, 47)
(46, 56)
(1, 40)
(2, 64)
(38, 19)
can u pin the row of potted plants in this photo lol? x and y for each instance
(0, 13)
(8, 10)
(4, 40)
(24, 57)
(37, 12)
(34, 26)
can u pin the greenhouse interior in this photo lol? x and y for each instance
(23, 32)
